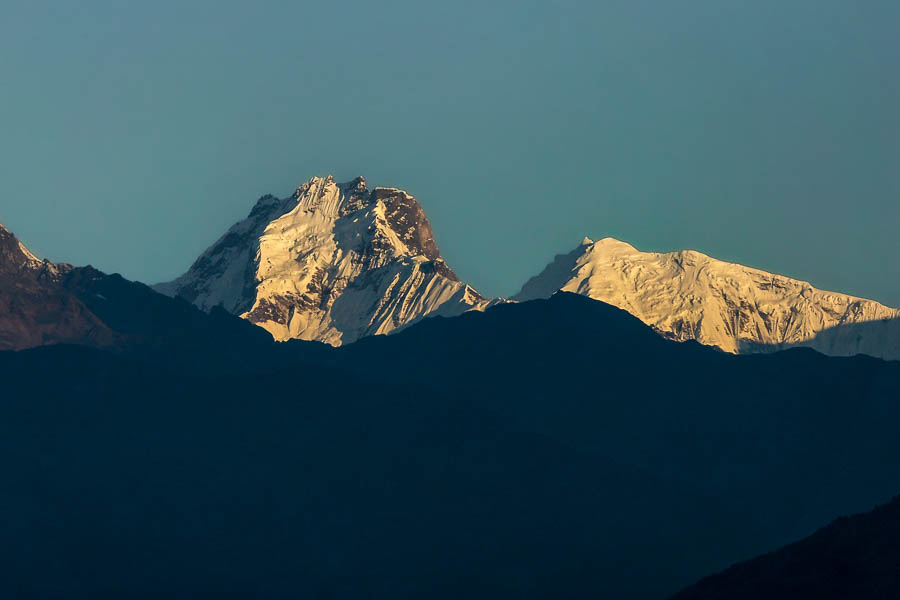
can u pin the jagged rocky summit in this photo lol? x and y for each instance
(333, 262)
(687, 295)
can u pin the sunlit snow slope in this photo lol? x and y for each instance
(687, 295)
(333, 262)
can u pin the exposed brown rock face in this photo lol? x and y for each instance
(36, 306)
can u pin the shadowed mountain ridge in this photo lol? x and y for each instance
(540, 449)
(853, 557)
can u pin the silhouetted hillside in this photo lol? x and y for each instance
(176, 334)
(123, 480)
(853, 557)
(784, 442)
(555, 448)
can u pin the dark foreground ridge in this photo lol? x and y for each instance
(853, 557)
(555, 448)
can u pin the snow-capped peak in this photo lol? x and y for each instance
(609, 246)
(333, 262)
(689, 295)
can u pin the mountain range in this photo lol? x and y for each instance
(627, 424)
(336, 262)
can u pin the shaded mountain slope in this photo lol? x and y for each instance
(785, 440)
(555, 448)
(121, 479)
(853, 557)
(174, 334)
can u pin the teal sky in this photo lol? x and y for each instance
(759, 131)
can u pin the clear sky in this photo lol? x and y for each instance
(761, 131)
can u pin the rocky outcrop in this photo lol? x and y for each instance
(36, 307)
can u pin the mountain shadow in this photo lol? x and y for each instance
(879, 338)
(853, 557)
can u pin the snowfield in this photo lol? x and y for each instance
(687, 295)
